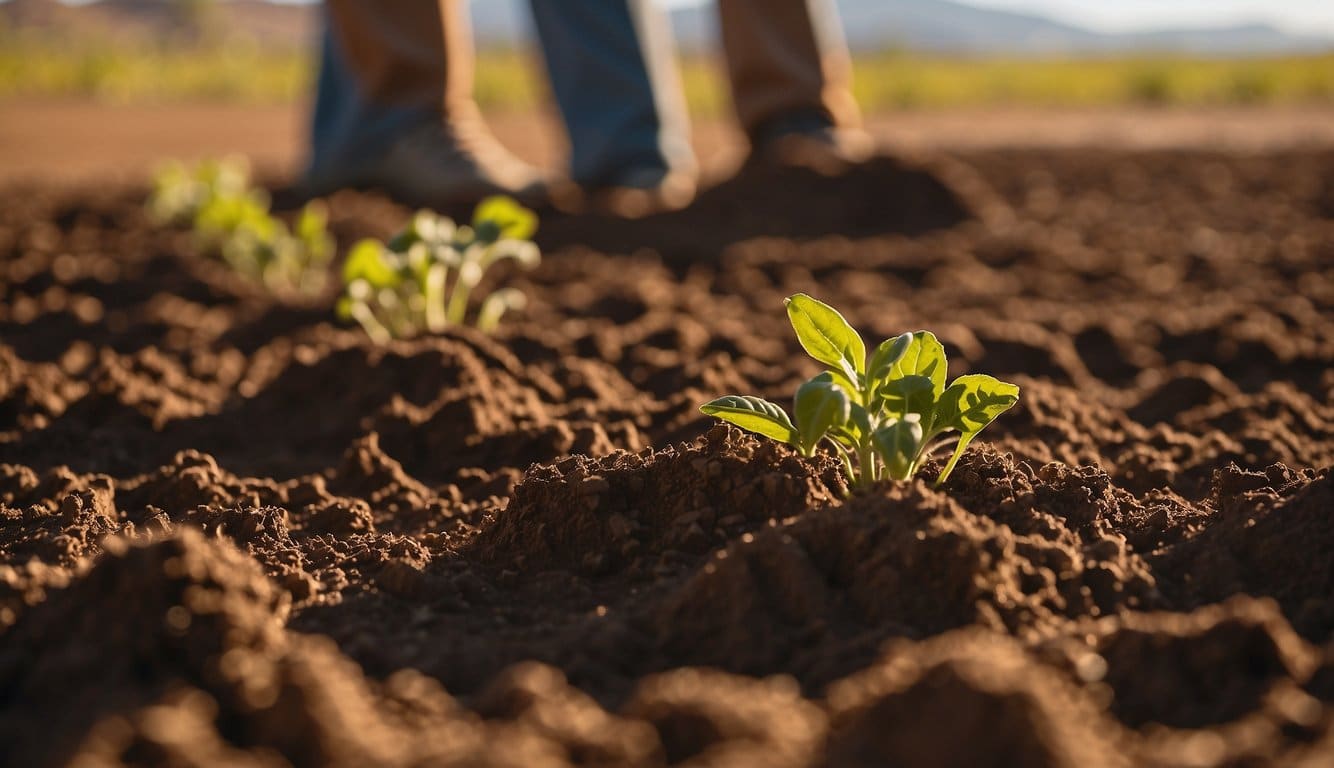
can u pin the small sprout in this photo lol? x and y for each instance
(884, 417)
(179, 193)
(232, 219)
(422, 279)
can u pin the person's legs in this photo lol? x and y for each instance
(346, 123)
(618, 90)
(394, 105)
(790, 71)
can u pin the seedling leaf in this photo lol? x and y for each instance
(826, 335)
(885, 356)
(909, 394)
(367, 261)
(924, 356)
(820, 405)
(974, 401)
(897, 443)
(852, 433)
(312, 222)
(969, 405)
(754, 414)
(501, 218)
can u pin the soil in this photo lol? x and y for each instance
(82, 141)
(234, 532)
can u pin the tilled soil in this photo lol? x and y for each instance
(233, 532)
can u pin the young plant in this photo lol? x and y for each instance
(232, 220)
(421, 280)
(179, 193)
(884, 415)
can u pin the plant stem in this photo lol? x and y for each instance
(848, 467)
(470, 274)
(932, 448)
(488, 317)
(866, 457)
(949, 467)
(436, 319)
(374, 328)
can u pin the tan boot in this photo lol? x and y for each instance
(791, 77)
(810, 141)
(436, 165)
(398, 109)
(636, 194)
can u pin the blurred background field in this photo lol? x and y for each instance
(123, 73)
(112, 86)
(910, 54)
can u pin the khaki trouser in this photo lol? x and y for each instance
(407, 51)
(611, 69)
(786, 56)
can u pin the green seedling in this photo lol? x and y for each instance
(262, 247)
(884, 414)
(232, 220)
(179, 193)
(423, 278)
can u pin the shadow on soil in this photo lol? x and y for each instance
(884, 196)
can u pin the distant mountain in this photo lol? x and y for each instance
(269, 25)
(939, 26)
(1247, 39)
(946, 26)
(943, 26)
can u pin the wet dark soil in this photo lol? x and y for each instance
(234, 532)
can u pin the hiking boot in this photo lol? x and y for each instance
(436, 165)
(634, 194)
(810, 140)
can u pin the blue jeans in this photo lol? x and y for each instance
(611, 69)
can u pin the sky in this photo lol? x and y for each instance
(1123, 15)
(1309, 16)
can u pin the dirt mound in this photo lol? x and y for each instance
(1203, 668)
(182, 608)
(537, 698)
(710, 718)
(605, 515)
(1270, 534)
(966, 698)
(815, 596)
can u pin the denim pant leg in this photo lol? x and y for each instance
(347, 126)
(617, 87)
